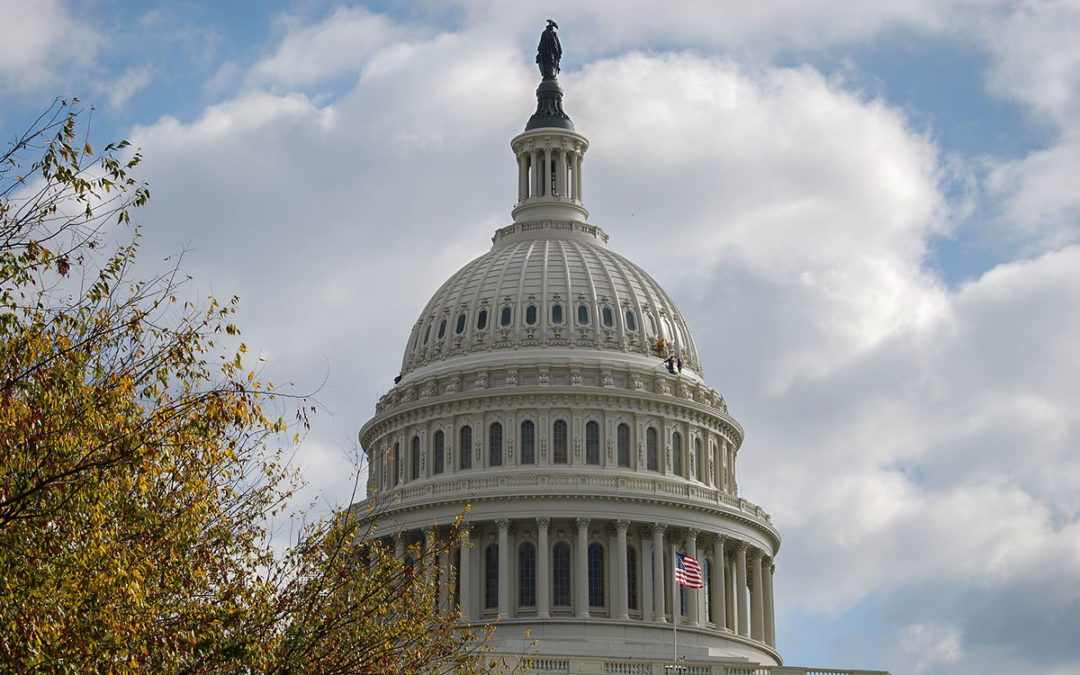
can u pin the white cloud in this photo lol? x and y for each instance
(339, 44)
(40, 39)
(128, 84)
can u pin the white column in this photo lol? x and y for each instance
(693, 600)
(770, 617)
(427, 561)
(560, 172)
(523, 176)
(399, 547)
(547, 173)
(465, 576)
(757, 612)
(577, 176)
(740, 588)
(658, 573)
(537, 173)
(504, 567)
(716, 584)
(543, 571)
(619, 594)
(581, 573)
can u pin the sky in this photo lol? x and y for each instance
(866, 211)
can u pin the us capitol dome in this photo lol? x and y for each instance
(554, 387)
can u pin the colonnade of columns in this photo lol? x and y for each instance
(549, 171)
(611, 570)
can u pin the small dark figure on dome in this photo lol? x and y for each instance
(678, 364)
(549, 51)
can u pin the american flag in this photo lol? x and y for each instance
(687, 571)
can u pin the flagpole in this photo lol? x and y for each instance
(674, 611)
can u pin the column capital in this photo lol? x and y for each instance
(741, 545)
(692, 534)
(543, 522)
(658, 529)
(503, 524)
(582, 523)
(756, 553)
(622, 524)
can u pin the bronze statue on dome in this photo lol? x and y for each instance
(549, 51)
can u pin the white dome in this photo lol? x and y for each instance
(548, 284)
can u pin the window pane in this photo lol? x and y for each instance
(631, 322)
(481, 320)
(437, 452)
(558, 443)
(676, 454)
(650, 449)
(505, 319)
(465, 447)
(491, 577)
(631, 578)
(609, 318)
(592, 443)
(556, 314)
(624, 444)
(427, 333)
(495, 445)
(415, 457)
(527, 575)
(395, 466)
(528, 442)
(699, 458)
(442, 328)
(582, 315)
(596, 576)
(560, 575)
(530, 314)
(460, 328)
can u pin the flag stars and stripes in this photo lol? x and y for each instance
(688, 571)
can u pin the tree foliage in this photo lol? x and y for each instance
(138, 465)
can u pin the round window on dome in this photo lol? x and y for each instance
(460, 327)
(583, 315)
(481, 320)
(631, 322)
(609, 318)
(504, 318)
(530, 315)
(442, 328)
(556, 314)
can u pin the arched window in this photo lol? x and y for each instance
(596, 575)
(631, 322)
(460, 327)
(481, 320)
(491, 576)
(650, 450)
(438, 446)
(623, 441)
(556, 314)
(631, 578)
(530, 315)
(465, 447)
(560, 575)
(415, 457)
(676, 454)
(442, 328)
(559, 443)
(495, 444)
(592, 443)
(504, 318)
(609, 318)
(528, 442)
(427, 333)
(583, 315)
(699, 457)
(527, 575)
(395, 465)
